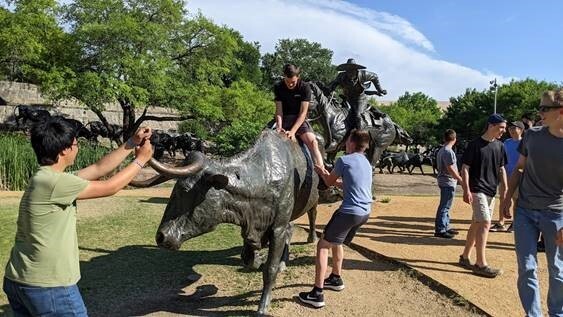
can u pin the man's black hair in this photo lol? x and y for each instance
(50, 137)
(290, 70)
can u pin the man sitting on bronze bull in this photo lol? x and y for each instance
(292, 97)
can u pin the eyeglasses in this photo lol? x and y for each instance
(74, 144)
(547, 108)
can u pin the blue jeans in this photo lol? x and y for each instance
(442, 222)
(528, 223)
(44, 301)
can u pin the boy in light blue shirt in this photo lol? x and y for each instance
(353, 173)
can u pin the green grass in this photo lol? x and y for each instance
(124, 273)
(18, 161)
(8, 217)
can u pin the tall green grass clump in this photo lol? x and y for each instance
(88, 154)
(18, 162)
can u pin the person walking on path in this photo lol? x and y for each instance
(482, 172)
(352, 172)
(43, 268)
(448, 176)
(515, 129)
(539, 179)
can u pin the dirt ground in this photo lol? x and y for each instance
(375, 287)
(404, 184)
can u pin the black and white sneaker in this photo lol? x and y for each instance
(333, 283)
(315, 300)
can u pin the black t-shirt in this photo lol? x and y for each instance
(291, 98)
(484, 160)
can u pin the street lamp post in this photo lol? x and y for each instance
(495, 86)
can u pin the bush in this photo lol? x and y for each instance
(18, 162)
(237, 137)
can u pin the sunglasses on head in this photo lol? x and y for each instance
(547, 108)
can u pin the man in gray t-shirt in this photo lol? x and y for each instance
(448, 176)
(539, 176)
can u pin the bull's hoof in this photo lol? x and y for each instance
(255, 262)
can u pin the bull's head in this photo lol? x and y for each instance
(195, 206)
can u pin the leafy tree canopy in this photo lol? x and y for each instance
(418, 114)
(468, 113)
(314, 60)
(32, 41)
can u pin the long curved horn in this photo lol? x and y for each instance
(196, 164)
(155, 180)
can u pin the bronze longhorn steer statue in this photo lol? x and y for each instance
(260, 190)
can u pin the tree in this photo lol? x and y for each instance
(250, 110)
(418, 114)
(142, 53)
(468, 113)
(314, 60)
(32, 41)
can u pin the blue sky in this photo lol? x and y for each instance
(514, 38)
(437, 47)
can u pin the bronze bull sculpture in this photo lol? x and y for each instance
(260, 190)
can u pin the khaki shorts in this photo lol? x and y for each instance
(483, 207)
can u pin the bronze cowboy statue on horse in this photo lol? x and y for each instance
(355, 81)
(338, 119)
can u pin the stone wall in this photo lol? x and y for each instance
(21, 93)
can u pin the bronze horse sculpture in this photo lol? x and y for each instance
(333, 118)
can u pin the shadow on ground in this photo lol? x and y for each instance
(140, 280)
(155, 200)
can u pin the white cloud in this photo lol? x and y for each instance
(384, 43)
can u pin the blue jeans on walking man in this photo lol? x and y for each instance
(528, 223)
(44, 301)
(442, 223)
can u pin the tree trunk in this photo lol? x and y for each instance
(101, 116)
(128, 118)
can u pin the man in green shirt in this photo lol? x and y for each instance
(43, 268)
